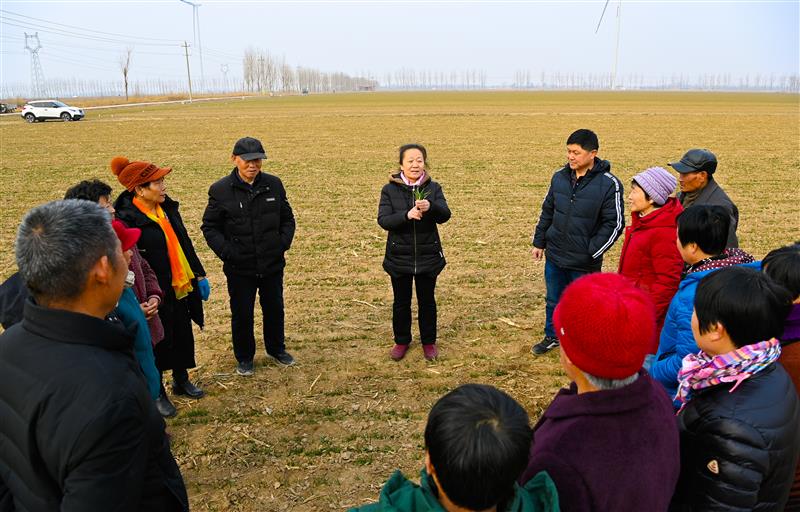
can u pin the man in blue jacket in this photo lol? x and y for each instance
(582, 216)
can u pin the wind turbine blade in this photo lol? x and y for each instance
(601, 16)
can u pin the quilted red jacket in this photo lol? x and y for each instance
(650, 257)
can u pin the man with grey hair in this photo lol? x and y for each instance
(79, 431)
(614, 421)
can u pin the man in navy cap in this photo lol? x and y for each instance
(698, 186)
(249, 224)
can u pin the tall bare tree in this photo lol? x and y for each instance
(125, 66)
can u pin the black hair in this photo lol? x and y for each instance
(478, 440)
(783, 266)
(586, 139)
(406, 147)
(705, 225)
(750, 305)
(88, 191)
(646, 195)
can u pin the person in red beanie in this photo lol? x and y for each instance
(609, 441)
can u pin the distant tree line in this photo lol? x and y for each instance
(265, 73)
(407, 78)
(526, 79)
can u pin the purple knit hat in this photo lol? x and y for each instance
(657, 182)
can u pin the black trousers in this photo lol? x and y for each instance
(242, 292)
(401, 309)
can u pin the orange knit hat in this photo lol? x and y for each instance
(130, 174)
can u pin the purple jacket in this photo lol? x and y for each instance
(144, 287)
(609, 450)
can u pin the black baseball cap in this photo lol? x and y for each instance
(696, 160)
(249, 148)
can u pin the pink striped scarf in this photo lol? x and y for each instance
(700, 371)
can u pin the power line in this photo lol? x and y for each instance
(60, 32)
(176, 41)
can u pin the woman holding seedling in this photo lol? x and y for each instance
(411, 206)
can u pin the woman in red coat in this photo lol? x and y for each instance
(650, 256)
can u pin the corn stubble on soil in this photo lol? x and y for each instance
(328, 432)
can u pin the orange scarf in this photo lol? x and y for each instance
(182, 274)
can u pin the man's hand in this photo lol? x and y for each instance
(537, 253)
(414, 214)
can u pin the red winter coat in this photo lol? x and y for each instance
(650, 257)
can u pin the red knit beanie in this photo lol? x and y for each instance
(605, 325)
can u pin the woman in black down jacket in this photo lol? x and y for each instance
(411, 205)
(740, 420)
(166, 246)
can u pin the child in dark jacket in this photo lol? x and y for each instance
(476, 443)
(609, 441)
(783, 266)
(739, 420)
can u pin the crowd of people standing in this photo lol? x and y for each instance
(683, 364)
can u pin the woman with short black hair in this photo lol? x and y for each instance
(411, 206)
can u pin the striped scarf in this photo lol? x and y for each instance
(182, 274)
(700, 371)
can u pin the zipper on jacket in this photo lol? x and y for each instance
(414, 230)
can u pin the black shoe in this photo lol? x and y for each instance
(283, 358)
(186, 388)
(245, 369)
(544, 346)
(165, 407)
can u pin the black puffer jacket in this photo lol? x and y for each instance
(79, 430)
(249, 228)
(739, 450)
(578, 224)
(413, 246)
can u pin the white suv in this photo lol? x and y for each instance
(50, 109)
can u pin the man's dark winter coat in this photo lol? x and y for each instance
(739, 450)
(413, 246)
(249, 227)
(79, 430)
(712, 194)
(579, 223)
(609, 450)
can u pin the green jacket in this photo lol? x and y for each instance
(401, 495)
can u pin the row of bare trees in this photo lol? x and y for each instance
(407, 78)
(266, 73)
(527, 79)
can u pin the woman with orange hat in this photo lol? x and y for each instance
(165, 244)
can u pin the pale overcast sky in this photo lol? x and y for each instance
(86, 39)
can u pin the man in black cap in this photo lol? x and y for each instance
(249, 224)
(698, 186)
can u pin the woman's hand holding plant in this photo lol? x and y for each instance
(414, 214)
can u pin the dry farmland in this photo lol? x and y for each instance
(326, 433)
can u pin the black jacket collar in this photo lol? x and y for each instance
(76, 328)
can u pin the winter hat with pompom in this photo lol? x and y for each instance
(130, 174)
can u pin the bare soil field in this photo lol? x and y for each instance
(326, 433)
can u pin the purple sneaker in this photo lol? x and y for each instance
(398, 352)
(430, 351)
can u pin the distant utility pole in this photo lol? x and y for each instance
(188, 72)
(37, 75)
(196, 33)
